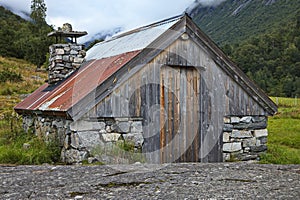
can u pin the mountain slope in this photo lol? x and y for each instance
(235, 20)
(8, 33)
(23, 39)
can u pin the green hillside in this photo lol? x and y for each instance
(236, 20)
(23, 39)
(262, 37)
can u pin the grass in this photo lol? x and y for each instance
(27, 149)
(12, 138)
(284, 133)
(11, 91)
(30, 78)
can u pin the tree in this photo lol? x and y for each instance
(38, 42)
(38, 12)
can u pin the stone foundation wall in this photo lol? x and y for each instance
(64, 59)
(47, 128)
(79, 139)
(244, 138)
(97, 141)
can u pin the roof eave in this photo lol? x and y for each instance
(40, 112)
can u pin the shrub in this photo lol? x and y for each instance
(10, 76)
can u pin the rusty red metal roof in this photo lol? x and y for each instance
(63, 96)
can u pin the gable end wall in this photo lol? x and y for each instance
(139, 96)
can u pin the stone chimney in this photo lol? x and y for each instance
(65, 58)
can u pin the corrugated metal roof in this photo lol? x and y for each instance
(131, 41)
(62, 97)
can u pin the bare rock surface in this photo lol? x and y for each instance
(145, 181)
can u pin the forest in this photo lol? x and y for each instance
(261, 36)
(24, 39)
(272, 59)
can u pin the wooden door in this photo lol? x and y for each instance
(180, 132)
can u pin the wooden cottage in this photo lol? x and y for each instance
(165, 87)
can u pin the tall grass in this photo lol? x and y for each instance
(19, 77)
(16, 146)
(27, 149)
(284, 133)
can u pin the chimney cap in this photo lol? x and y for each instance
(67, 32)
(61, 33)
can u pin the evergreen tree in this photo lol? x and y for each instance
(38, 12)
(38, 43)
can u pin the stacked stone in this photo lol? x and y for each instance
(244, 138)
(64, 60)
(86, 136)
(48, 128)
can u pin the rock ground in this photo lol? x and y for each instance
(144, 181)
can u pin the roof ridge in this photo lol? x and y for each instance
(155, 24)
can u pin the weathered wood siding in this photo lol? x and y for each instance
(182, 95)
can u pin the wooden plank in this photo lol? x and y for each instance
(240, 100)
(170, 115)
(138, 97)
(201, 120)
(108, 107)
(116, 104)
(172, 58)
(243, 109)
(196, 114)
(183, 50)
(189, 123)
(162, 116)
(166, 72)
(176, 82)
(101, 109)
(183, 113)
(205, 120)
(125, 99)
(132, 99)
(192, 115)
(156, 80)
(177, 133)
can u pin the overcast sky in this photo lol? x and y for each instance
(95, 16)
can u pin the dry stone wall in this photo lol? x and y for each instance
(47, 128)
(79, 140)
(244, 138)
(64, 60)
(99, 141)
